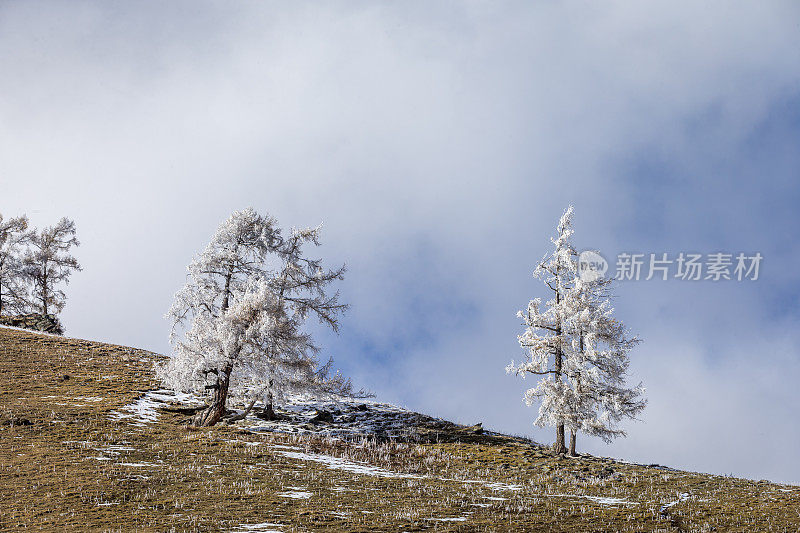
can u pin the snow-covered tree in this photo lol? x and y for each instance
(238, 321)
(578, 348)
(13, 282)
(47, 263)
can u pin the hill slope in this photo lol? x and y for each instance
(85, 444)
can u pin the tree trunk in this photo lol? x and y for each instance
(44, 291)
(216, 410)
(242, 415)
(226, 297)
(269, 413)
(213, 413)
(559, 447)
(572, 434)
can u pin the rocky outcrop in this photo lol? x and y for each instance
(34, 322)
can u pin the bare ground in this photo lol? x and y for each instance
(68, 463)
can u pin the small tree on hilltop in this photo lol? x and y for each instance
(244, 306)
(47, 263)
(13, 282)
(579, 350)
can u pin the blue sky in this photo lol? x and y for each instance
(439, 144)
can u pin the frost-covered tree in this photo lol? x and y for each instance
(13, 282)
(580, 351)
(48, 263)
(237, 324)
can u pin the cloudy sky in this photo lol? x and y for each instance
(439, 143)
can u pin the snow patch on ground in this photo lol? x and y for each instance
(245, 442)
(265, 527)
(296, 494)
(605, 500)
(494, 485)
(681, 498)
(602, 500)
(335, 463)
(145, 409)
(115, 449)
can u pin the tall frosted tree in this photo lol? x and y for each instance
(13, 282)
(577, 348)
(237, 324)
(48, 263)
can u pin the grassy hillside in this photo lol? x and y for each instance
(83, 447)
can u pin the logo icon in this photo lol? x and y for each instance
(591, 265)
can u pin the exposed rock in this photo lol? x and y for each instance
(322, 416)
(477, 429)
(34, 322)
(268, 416)
(16, 421)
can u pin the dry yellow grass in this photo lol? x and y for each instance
(66, 465)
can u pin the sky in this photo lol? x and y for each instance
(438, 143)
